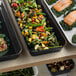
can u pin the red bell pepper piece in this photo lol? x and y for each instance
(22, 15)
(40, 29)
(32, 20)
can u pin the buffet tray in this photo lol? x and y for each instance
(64, 71)
(68, 34)
(8, 29)
(59, 36)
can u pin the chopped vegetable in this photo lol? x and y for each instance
(40, 29)
(21, 72)
(62, 66)
(4, 44)
(17, 14)
(33, 24)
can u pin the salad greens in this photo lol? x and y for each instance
(74, 39)
(66, 27)
(33, 24)
(51, 1)
(58, 14)
(21, 72)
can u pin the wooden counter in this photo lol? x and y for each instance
(25, 60)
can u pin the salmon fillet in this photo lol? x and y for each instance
(61, 5)
(70, 18)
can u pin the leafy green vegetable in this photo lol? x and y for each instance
(69, 12)
(74, 39)
(44, 20)
(30, 32)
(66, 27)
(56, 42)
(51, 1)
(48, 28)
(41, 13)
(34, 5)
(3, 52)
(21, 72)
(21, 9)
(27, 5)
(63, 12)
(25, 16)
(0, 43)
(2, 35)
(34, 25)
(20, 1)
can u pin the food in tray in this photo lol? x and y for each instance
(74, 39)
(33, 24)
(60, 66)
(70, 18)
(4, 44)
(21, 72)
(62, 4)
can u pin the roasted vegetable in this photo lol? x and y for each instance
(33, 24)
(62, 66)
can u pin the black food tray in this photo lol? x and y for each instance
(7, 29)
(62, 72)
(59, 36)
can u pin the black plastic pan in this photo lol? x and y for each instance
(64, 71)
(59, 36)
(7, 29)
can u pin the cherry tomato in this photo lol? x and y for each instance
(14, 5)
(32, 20)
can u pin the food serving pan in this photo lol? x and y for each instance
(7, 29)
(68, 33)
(59, 36)
(64, 71)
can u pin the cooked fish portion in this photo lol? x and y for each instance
(70, 18)
(3, 45)
(61, 5)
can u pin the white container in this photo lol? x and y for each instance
(68, 34)
(35, 71)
